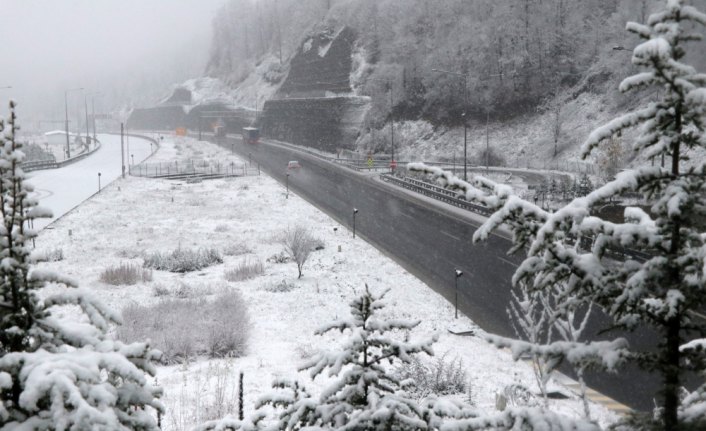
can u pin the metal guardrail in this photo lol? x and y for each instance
(49, 164)
(436, 192)
(444, 195)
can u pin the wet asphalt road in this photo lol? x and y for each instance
(431, 242)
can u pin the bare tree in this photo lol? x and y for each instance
(298, 244)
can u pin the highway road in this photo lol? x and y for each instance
(62, 189)
(431, 241)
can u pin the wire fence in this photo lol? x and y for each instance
(194, 168)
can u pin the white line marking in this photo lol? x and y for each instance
(508, 262)
(449, 235)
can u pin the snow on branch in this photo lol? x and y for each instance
(521, 418)
(605, 354)
(611, 128)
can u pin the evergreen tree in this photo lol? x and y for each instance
(366, 393)
(666, 291)
(56, 375)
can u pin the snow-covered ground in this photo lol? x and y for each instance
(62, 189)
(137, 215)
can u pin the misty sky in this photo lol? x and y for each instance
(131, 51)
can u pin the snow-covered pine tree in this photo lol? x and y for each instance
(296, 407)
(366, 393)
(55, 374)
(667, 290)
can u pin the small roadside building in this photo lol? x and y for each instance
(58, 137)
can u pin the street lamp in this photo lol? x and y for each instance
(355, 211)
(458, 273)
(99, 181)
(463, 117)
(66, 112)
(93, 114)
(85, 108)
(133, 158)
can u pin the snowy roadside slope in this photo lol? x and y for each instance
(139, 215)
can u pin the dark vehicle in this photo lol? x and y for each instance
(220, 131)
(251, 135)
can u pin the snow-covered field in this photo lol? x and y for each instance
(135, 216)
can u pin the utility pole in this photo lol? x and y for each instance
(392, 127)
(66, 112)
(122, 148)
(487, 140)
(465, 128)
(93, 116)
(67, 153)
(463, 117)
(85, 108)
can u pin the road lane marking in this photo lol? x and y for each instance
(449, 235)
(508, 262)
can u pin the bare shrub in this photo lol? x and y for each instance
(245, 270)
(125, 274)
(215, 328)
(280, 257)
(53, 255)
(129, 253)
(282, 286)
(236, 249)
(298, 244)
(222, 228)
(183, 260)
(442, 377)
(159, 290)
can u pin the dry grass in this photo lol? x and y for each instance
(186, 328)
(183, 260)
(245, 270)
(125, 274)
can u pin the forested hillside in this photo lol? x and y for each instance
(521, 57)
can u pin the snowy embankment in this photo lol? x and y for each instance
(136, 216)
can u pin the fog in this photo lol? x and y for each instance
(131, 52)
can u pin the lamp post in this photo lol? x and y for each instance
(463, 117)
(85, 109)
(133, 158)
(458, 273)
(66, 112)
(93, 114)
(355, 211)
(99, 181)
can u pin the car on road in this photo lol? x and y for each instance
(293, 165)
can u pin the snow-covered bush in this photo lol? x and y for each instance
(443, 376)
(236, 249)
(183, 260)
(245, 270)
(280, 257)
(282, 286)
(185, 328)
(51, 255)
(56, 374)
(125, 274)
